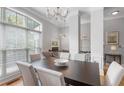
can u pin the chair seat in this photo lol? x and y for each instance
(114, 75)
(102, 81)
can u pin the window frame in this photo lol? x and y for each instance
(26, 49)
(26, 20)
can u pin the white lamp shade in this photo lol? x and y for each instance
(113, 47)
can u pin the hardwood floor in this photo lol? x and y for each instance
(17, 82)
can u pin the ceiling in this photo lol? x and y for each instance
(42, 12)
(108, 12)
(84, 12)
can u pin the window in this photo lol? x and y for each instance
(30, 23)
(21, 20)
(36, 26)
(11, 57)
(0, 63)
(17, 42)
(0, 14)
(33, 25)
(33, 40)
(15, 38)
(10, 16)
(18, 19)
(15, 47)
(1, 46)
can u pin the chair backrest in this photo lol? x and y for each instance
(28, 73)
(64, 55)
(50, 78)
(114, 74)
(35, 57)
(79, 57)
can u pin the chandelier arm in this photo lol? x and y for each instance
(58, 13)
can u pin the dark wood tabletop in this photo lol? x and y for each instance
(77, 73)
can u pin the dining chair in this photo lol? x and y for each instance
(114, 74)
(79, 57)
(28, 74)
(50, 78)
(35, 57)
(64, 55)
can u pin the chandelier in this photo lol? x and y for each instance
(58, 13)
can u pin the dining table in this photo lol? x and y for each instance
(76, 73)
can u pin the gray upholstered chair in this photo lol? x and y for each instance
(79, 57)
(50, 78)
(114, 74)
(28, 74)
(35, 57)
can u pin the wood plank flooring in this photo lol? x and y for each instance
(17, 82)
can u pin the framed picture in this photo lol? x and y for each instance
(112, 37)
(54, 44)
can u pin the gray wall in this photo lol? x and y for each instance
(115, 25)
(109, 25)
(50, 32)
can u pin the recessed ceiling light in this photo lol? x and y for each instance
(115, 12)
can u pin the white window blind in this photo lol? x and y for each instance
(33, 40)
(15, 38)
(17, 42)
(12, 56)
(0, 63)
(1, 47)
(33, 43)
(0, 14)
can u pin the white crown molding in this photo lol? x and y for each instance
(112, 18)
(105, 19)
(59, 24)
(39, 15)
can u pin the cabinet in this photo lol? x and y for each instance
(112, 57)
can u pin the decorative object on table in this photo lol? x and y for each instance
(61, 62)
(112, 38)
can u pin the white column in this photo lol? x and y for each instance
(74, 27)
(97, 37)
